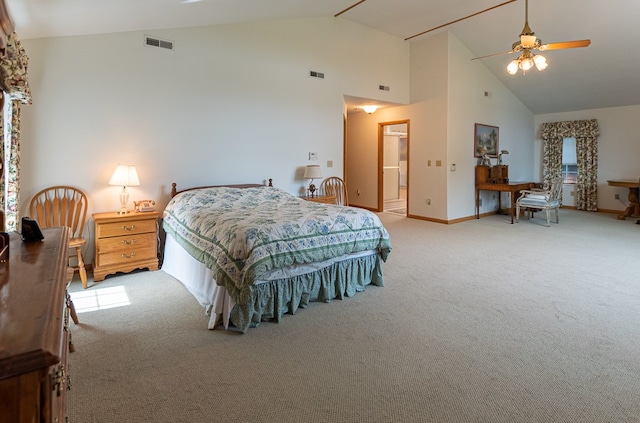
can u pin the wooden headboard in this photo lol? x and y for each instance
(174, 190)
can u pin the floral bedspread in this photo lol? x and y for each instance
(240, 233)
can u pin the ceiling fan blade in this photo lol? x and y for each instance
(494, 54)
(564, 44)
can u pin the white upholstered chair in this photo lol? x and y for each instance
(541, 199)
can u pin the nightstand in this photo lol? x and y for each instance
(125, 242)
(326, 199)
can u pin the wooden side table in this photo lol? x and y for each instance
(325, 199)
(125, 242)
(634, 202)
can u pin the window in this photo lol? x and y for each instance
(569, 161)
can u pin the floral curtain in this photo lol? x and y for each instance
(15, 85)
(586, 134)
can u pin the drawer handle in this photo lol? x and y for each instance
(133, 241)
(128, 228)
(128, 256)
(58, 380)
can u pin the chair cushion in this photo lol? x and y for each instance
(538, 196)
(537, 202)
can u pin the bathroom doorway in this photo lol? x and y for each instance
(394, 157)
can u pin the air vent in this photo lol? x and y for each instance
(315, 74)
(383, 88)
(157, 42)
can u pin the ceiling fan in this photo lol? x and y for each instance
(529, 42)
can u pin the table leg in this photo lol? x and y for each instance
(513, 204)
(477, 204)
(634, 205)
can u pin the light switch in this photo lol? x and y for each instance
(313, 156)
(329, 163)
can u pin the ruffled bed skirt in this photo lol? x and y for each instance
(271, 300)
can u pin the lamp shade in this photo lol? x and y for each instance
(125, 176)
(312, 172)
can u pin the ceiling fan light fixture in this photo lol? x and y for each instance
(512, 68)
(528, 41)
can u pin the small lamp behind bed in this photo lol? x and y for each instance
(312, 172)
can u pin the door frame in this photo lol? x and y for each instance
(381, 126)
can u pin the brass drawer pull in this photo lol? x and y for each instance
(129, 228)
(133, 241)
(128, 256)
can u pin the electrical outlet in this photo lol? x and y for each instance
(313, 156)
(617, 196)
(329, 163)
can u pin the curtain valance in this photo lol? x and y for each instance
(13, 71)
(570, 129)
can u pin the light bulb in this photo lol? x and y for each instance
(526, 64)
(512, 68)
(541, 62)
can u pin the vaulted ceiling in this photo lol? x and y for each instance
(605, 74)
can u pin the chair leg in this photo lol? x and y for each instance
(557, 216)
(517, 212)
(548, 217)
(81, 269)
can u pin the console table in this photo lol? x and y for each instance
(34, 329)
(634, 204)
(512, 187)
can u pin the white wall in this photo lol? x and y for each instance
(618, 149)
(231, 104)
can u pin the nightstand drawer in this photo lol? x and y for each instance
(123, 243)
(143, 252)
(105, 230)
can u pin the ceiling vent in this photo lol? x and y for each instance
(315, 74)
(157, 42)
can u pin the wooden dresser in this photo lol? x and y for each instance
(34, 330)
(125, 242)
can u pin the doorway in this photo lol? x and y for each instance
(393, 142)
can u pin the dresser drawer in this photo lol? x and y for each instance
(127, 255)
(125, 243)
(105, 230)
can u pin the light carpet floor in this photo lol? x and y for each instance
(481, 321)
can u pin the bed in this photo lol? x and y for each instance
(252, 253)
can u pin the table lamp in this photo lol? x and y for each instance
(312, 172)
(500, 156)
(124, 176)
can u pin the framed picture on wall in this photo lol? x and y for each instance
(486, 139)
